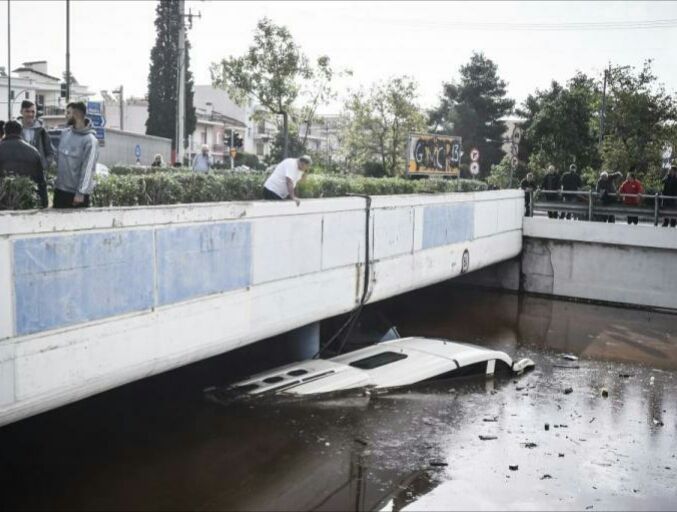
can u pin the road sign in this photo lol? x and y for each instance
(137, 151)
(95, 115)
(474, 168)
(514, 161)
(516, 135)
(475, 154)
(233, 152)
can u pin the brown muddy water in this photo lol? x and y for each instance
(159, 444)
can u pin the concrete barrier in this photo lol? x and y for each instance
(607, 263)
(90, 300)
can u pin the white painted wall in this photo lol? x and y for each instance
(306, 265)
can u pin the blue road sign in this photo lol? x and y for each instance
(95, 115)
(137, 151)
(100, 133)
(94, 107)
(98, 121)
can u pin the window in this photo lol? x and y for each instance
(382, 359)
(259, 148)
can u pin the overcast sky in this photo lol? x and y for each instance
(111, 40)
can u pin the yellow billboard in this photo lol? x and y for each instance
(433, 155)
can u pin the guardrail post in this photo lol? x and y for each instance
(589, 205)
(655, 209)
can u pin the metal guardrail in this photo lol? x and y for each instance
(586, 204)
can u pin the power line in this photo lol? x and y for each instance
(536, 26)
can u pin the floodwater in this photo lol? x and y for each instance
(160, 444)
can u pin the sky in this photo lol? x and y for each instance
(111, 40)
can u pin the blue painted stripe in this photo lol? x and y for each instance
(70, 279)
(448, 224)
(193, 261)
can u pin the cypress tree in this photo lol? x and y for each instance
(163, 76)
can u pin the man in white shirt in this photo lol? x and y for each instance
(281, 184)
(202, 161)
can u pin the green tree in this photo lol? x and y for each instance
(271, 71)
(163, 77)
(473, 108)
(559, 125)
(640, 119)
(377, 124)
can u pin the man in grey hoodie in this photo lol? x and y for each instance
(35, 133)
(76, 161)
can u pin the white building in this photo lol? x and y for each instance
(32, 81)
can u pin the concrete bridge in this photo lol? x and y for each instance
(91, 300)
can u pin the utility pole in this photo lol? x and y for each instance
(602, 113)
(121, 98)
(68, 51)
(181, 80)
(9, 65)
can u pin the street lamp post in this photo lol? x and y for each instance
(9, 64)
(68, 51)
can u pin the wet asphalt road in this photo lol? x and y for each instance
(159, 444)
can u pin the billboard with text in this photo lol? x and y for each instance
(433, 155)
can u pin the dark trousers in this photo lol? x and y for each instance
(63, 199)
(270, 195)
(633, 220)
(671, 222)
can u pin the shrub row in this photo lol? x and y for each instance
(173, 187)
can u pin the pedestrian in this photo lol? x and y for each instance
(630, 190)
(551, 183)
(19, 158)
(76, 159)
(202, 161)
(35, 133)
(571, 182)
(281, 184)
(157, 161)
(606, 191)
(528, 185)
(2, 129)
(670, 189)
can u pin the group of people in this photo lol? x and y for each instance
(26, 150)
(629, 192)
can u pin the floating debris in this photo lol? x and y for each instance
(605, 393)
(438, 464)
(568, 391)
(560, 455)
(546, 477)
(488, 438)
(569, 357)
(547, 426)
(529, 445)
(513, 468)
(491, 420)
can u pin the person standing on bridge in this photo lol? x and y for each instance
(528, 185)
(76, 160)
(551, 183)
(35, 133)
(631, 189)
(281, 184)
(670, 189)
(571, 182)
(605, 190)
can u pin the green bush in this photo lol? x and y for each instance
(18, 193)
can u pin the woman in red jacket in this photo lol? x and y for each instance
(632, 187)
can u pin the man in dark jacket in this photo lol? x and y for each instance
(551, 182)
(605, 190)
(571, 182)
(528, 185)
(18, 158)
(35, 134)
(670, 189)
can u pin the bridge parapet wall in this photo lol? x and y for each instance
(93, 299)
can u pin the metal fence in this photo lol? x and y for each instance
(587, 205)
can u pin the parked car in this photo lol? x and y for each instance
(385, 365)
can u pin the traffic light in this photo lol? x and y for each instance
(238, 142)
(63, 90)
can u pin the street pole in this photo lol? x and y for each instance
(602, 113)
(68, 51)
(181, 88)
(122, 106)
(9, 65)
(232, 144)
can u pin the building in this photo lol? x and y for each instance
(324, 136)
(32, 81)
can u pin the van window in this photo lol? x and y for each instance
(382, 359)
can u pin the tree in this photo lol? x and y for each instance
(271, 71)
(559, 127)
(378, 123)
(640, 119)
(163, 77)
(473, 108)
